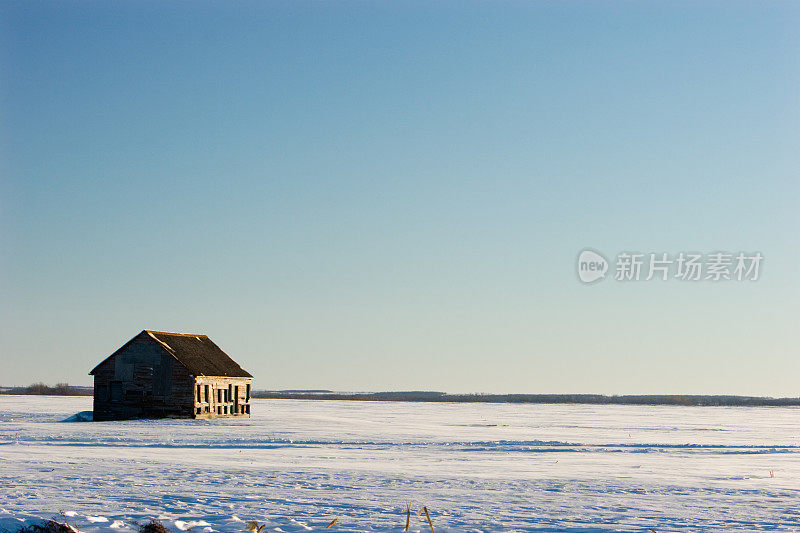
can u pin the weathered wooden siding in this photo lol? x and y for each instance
(142, 381)
(222, 397)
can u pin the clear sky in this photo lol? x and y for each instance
(392, 195)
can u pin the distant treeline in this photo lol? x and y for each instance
(599, 399)
(60, 389)
(65, 389)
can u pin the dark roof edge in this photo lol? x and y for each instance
(173, 333)
(98, 365)
(130, 341)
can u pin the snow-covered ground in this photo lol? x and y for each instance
(297, 465)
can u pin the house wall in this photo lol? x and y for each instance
(142, 381)
(222, 397)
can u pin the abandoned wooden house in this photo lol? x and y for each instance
(158, 374)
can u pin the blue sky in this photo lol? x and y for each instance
(384, 196)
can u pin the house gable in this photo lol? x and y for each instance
(141, 338)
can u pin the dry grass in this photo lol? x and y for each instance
(153, 526)
(253, 526)
(428, 516)
(48, 526)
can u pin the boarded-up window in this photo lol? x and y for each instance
(116, 391)
(143, 377)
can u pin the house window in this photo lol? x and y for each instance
(230, 392)
(206, 408)
(219, 410)
(198, 399)
(219, 395)
(198, 410)
(247, 409)
(208, 398)
(247, 393)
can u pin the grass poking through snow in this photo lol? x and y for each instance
(153, 526)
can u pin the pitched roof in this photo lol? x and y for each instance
(197, 353)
